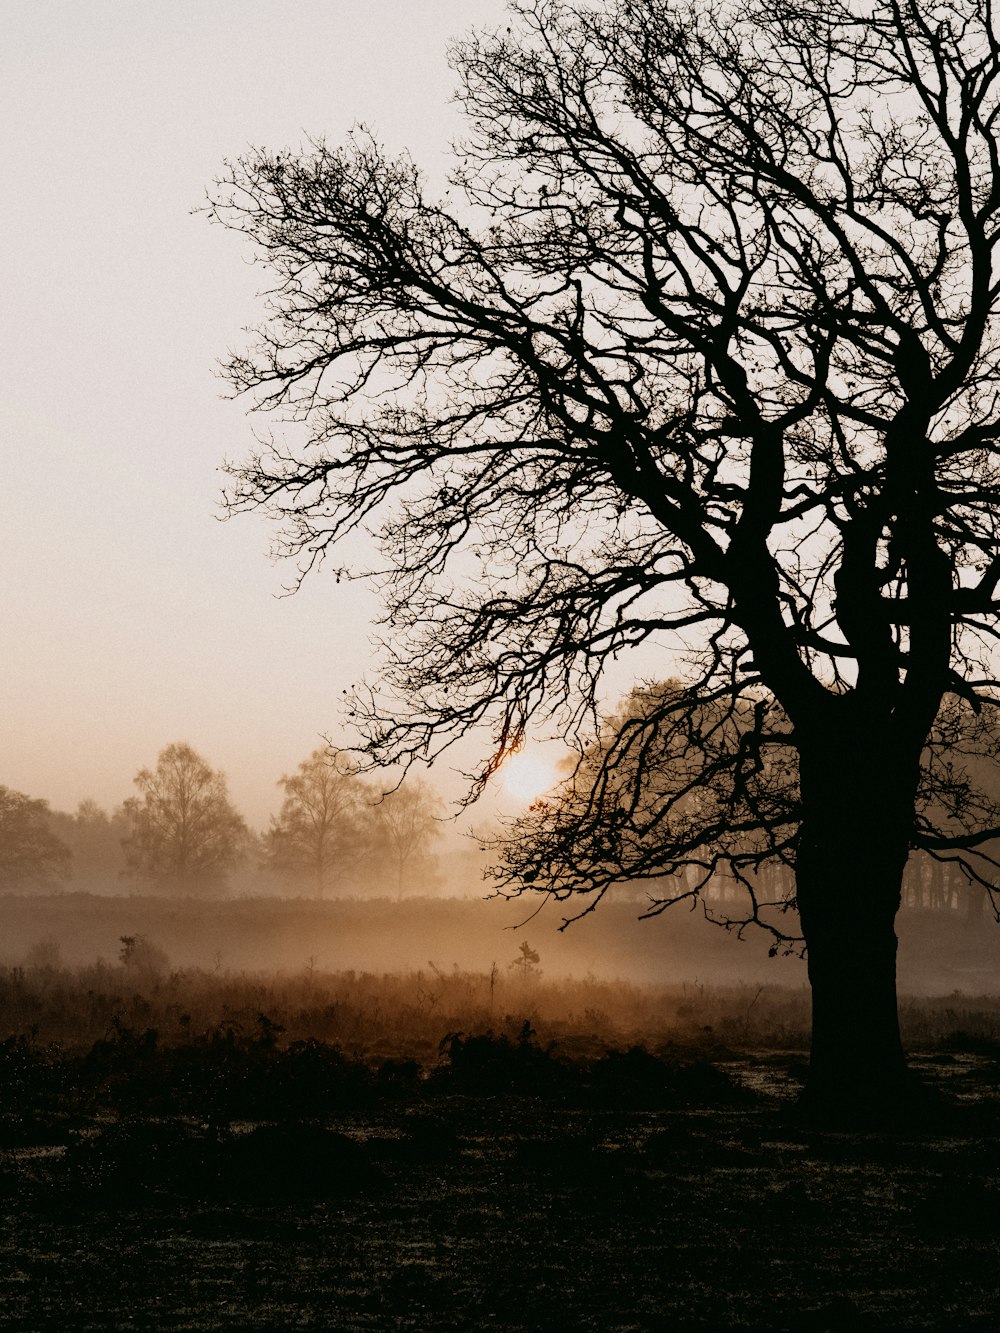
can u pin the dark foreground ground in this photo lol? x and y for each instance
(505, 1191)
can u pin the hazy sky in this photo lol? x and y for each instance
(132, 617)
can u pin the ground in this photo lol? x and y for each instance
(645, 1195)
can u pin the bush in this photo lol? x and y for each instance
(488, 1064)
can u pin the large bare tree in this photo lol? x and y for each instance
(698, 353)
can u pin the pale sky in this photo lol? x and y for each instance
(131, 616)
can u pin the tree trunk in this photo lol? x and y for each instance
(856, 1056)
(853, 848)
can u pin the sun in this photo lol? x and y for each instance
(528, 775)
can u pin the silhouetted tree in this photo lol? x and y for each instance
(525, 965)
(700, 356)
(31, 856)
(404, 826)
(316, 834)
(185, 835)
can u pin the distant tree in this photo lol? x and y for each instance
(31, 856)
(185, 836)
(404, 826)
(315, 836)
(525, 965)
(701, 354)
(95, 839)
(674, 795)
(140, 955)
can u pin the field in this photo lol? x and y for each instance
(940, 951)
(197, 1149)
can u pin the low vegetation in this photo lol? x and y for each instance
(351, 1145)
(405, 1016)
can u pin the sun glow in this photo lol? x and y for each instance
(528, 775)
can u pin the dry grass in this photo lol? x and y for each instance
(406, 1014)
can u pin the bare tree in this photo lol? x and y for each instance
(185, 834)
(699, 355)
(404, 826)
(316, 831)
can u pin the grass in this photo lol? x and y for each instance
(452, 1150)
(405, 1014)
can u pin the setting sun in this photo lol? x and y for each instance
(529, 774)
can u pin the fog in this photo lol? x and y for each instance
(140, 616)
(940, 951)
(345, 878)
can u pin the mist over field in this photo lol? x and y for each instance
(941, 951)
(345, 878)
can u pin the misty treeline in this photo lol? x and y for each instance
(179, 833)
(339, 834)
(679, 799)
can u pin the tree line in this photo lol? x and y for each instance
(336, 832)
(180, 833)
(676, 800)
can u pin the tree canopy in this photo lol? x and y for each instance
(698, 354)
(94, 837)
